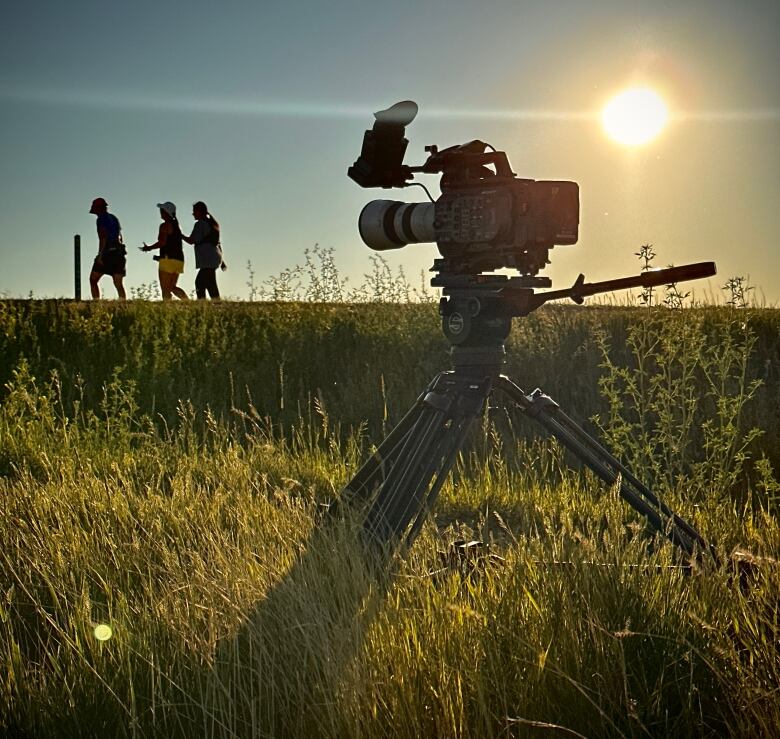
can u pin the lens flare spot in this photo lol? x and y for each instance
(103, 632)
(635, 116)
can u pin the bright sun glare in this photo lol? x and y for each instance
(635, 116)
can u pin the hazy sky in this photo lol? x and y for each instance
(259, 108)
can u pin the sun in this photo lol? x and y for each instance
(635, 116)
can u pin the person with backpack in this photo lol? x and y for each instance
(205, 238)
(171, 258)
(111, 256)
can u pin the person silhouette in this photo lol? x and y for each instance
(171, 257)
(208, 251)
(111, 257)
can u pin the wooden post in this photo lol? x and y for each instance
(77, 265)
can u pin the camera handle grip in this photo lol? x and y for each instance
(652, 278)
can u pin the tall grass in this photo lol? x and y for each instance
(237, 609)
(364, 362)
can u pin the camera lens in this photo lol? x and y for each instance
(391, 224)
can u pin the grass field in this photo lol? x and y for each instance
(167, 571)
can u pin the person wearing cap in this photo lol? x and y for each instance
(110, 259)
(208, 251)
(171, 258)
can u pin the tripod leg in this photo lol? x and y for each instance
(606, 466)
(425, 457)
(457, 440)
(398, 496)
(374, 469)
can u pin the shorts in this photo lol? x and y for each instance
(111, 263)
(175, 266)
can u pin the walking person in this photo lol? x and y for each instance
(171, 257)
(208, 251)
(111, 257)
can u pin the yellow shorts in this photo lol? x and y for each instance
(175, 266)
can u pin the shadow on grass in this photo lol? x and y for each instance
(286, 670)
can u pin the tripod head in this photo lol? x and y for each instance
(477, 310)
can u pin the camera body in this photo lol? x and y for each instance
(486, 218)
(484, 226)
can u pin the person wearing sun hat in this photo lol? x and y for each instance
(171, 257)
(110, 259)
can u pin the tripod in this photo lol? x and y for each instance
(403, 478)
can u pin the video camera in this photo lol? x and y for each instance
(486, 218)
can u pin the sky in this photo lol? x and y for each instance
(258, 109)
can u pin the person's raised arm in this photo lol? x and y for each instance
(161, 234)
